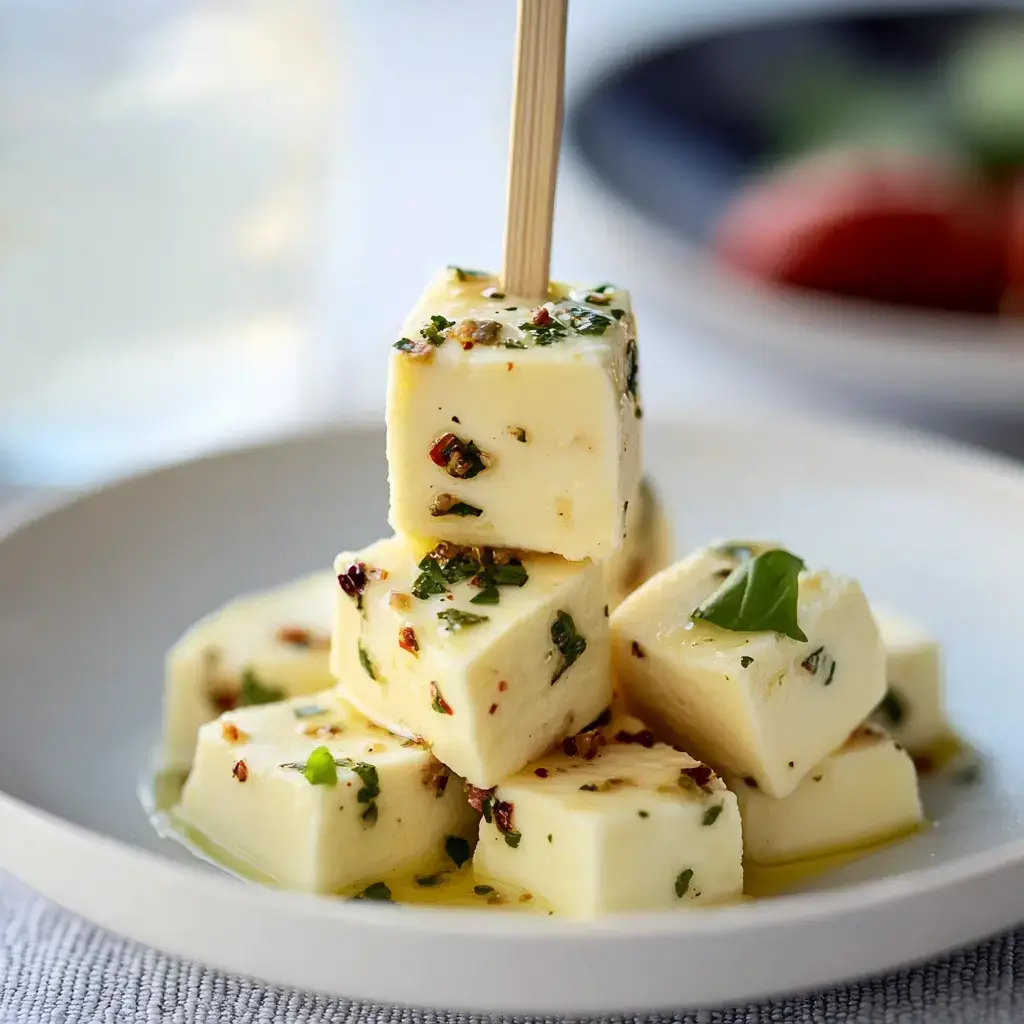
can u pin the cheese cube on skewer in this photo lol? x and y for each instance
(628, 825)
(514, 424)
(864, 793)
(259, 648)
(912, 709)
(490, 659)
(752, 703)
(310, 795)
(646, 547)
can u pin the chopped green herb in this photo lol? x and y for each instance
(370, 814)
(513, 839)
(746, 661)
(569, 643)
(633, 373)
(430, 581)
(518, 433)
(455, 619)
(683, 882)
(511, 574)
(462, 274)
(590, 787)
(377, 891)
(547, 332)
(483, 890)
(550, 838)
(320, 768)
(584, 321)
(489, 595)
(254, 691)
(449, 505)
(309, 711)
(618, 313)
(429, 881)
(432, 332)
(406, 345)
(711, 814)
(892, 707)
(643, 814)
(437, 702)
(759, 596)
(457, 849)
(511, 343)
(366, 662)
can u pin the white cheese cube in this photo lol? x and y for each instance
(758, 704)
(258, 648)
(646, 547)
(864, 793)
(912, 709)
(488, 685)
(629, 825)
(515, 437)
(387, 806)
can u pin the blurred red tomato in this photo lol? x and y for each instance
(904, 229)
(1013, 299)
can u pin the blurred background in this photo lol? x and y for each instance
(214, 213)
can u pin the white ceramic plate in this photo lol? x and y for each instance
(892, 356)
(93, 592)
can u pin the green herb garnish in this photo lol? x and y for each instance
(366, 662)
(546, 333)
(892, 707)
(711, 814)
(320, 769)
(457, 849)
(430, 581)
(569, 643)
(254, 691)
(370, 790)
(511, 343)
(683, 882)
(759, 596)
(483, 890)
(437, 702)
(746, 661)
(513, 839)
(461, 274)
(377, 891)
(618, 313)
(448, 505)
(590, 787)
(432, 332)
(633, 373)
(456, 620)
(519, 433)
(584, 321)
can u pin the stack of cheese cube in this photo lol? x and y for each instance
(473, 652)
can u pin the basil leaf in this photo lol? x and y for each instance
(760, 596)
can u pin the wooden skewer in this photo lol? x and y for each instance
(537, 102)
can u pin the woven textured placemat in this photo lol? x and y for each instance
(57, 969)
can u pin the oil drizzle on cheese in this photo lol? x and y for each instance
(456, 887)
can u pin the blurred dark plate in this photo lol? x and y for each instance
(666, 133)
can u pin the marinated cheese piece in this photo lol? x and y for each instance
(912, 708)
(259, 648)
(646, 546)
(311, 795)
(514, 424)
(489, 658)
(613, 821)
(759, 704)
(864, 793)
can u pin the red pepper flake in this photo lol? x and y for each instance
(638, 651)
(644, 737)
(240, 771)
(437, 702)
(541, 773)
(503, 816)
(701, 774)
(408, 642)
(492, 709)
(502, 686)
(526, 897)
(477, 797)
(569, 746)
(441, 784)
(232, 733)
(353, 581)
(541, 317)
(510, 366)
